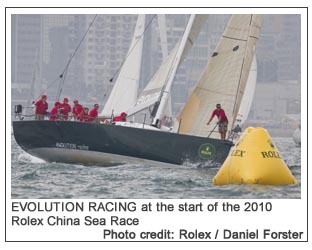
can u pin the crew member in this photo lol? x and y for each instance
(121, 118)
(93, 114)
(65, 109)
(77, 109)
(84, 116)
(222, 120)
(41, 107)
(55, 111)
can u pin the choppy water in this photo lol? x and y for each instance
(33, 178)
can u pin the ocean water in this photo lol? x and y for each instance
(32, 178)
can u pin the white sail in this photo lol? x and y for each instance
(125, 90)
(224, 78)
(249, 92)
(152, 91)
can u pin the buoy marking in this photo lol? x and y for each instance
(270, 154)
(239, 153)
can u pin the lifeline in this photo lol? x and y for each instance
(47, 206)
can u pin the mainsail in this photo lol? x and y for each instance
(152, 91)
(224, 78)
(125, 90)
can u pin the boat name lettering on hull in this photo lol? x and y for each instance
(71, 146)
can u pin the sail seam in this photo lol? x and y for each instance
(254, 37)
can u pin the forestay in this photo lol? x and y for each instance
(125, 90)
(224, 78)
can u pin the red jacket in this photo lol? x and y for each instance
(77, 109)
(220, 115)
(119, 118)
(92, 115)
(65, 109)
(83, 117)
(41, 107)
(54, 113)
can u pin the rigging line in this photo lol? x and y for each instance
(82, 39)
(146, 28)
(72, 56)
(240, 76)
(47, 88)
(67, 65)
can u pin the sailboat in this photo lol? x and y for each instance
(94, 143)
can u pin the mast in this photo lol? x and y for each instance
(164, 48)
(167, 89)
(163, 35)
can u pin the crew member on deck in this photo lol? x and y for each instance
(93, 114)
(121, 118)
(77, 109)
(55, 111)
(65, 109)
(222, 120)
(41, 107)
(84, 117)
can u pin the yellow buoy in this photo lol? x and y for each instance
(254, 159)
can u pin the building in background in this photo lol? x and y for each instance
(26, 54)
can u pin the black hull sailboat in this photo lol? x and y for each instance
(106, 145)
(223, 81)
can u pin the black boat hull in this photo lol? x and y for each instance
(102, 144)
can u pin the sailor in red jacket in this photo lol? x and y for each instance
(65, 109)
(77, 109)
(84, 116)
(222, 120)
(41, 107)
(55, 111)
(121, 118)
(93, 113)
